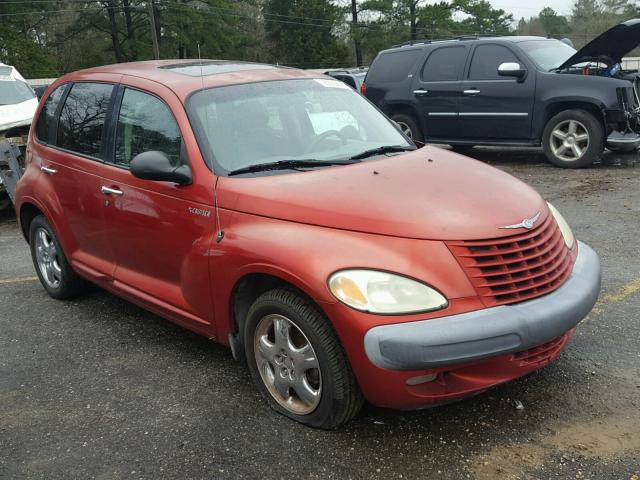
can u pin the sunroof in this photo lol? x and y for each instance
(197, 69)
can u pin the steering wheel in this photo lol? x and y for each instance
(324, 135)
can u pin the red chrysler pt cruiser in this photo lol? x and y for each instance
(278, 212)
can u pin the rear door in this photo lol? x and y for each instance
(437, 90)
(70, 148)
(493, 107)
(160, 231)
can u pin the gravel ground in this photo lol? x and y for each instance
(98, 388)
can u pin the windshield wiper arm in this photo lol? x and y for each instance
(382, 150)
(290, 164)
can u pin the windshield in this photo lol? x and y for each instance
(310, 119)
(547, 54)
(14, 91)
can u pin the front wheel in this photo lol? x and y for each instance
(573, 139)
(297, 363)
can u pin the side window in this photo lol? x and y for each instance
(46, 119)
(82, 118)
(444, 64)
(393, 66)
(487, 59)
(145, 123)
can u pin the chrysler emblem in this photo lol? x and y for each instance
(527, 223)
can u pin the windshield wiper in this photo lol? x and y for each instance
(290, 164)
(382, 150)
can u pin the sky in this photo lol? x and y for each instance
(530, 8)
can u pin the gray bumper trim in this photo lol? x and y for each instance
(490, 332)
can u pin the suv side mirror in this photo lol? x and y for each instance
(512, 69)
(154, 165)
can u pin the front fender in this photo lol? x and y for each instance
(306, 255)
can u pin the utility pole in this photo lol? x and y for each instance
(154, 37)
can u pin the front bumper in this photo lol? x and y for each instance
(473, 336)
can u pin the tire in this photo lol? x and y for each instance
(409, 126)
(55, 274)
(584, 139)
(330, 395)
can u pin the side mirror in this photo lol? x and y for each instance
(512, 69)
(154, 165)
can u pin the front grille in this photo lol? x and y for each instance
(542, 353)
(515, 268)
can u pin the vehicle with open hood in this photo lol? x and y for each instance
(278, 212)
(514, 90)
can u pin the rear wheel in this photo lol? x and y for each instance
(573, 139)
(53, 269)
(297, 362)
(409, 127)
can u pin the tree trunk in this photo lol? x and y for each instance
(131, 34)
(412, 19)
(355, 32)
(113, 32)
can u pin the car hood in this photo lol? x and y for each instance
(429, 193)
(610, 46)
(17, 114)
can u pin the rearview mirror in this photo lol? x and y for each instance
(512, 69)
(154, 165)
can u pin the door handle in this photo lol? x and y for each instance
(48, 170)
(111, 191)
(471, 91)
(420, 92)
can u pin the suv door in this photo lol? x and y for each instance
(70, 146)
(494, 106)
(437, 90)
(160, 231)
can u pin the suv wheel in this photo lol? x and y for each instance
(573, 139)
(409, 127)
(297, 362)
(52, 267)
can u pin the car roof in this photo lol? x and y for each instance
(186, 76)
(418, 44)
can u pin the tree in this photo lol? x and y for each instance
(483, 18)
(552, 23)
(305, 32)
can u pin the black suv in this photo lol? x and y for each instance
(513, 91)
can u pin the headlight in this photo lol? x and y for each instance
(385, 293)
(569, 239)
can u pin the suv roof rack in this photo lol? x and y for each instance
(475, 36)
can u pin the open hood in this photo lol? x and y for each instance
(610, 46)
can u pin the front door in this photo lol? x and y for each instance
(494, 107)
(437, 91)
(161, 231)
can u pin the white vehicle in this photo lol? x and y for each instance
(18, 103)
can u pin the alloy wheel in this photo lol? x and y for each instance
(405, 129)
(569, 140)
(288, 364)
(47, 258)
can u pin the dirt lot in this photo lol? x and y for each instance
(98, 388)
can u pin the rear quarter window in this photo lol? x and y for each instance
(46, 120)
(393, 66)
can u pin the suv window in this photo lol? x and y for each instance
(444, 64)
(393, 66)
(82, 118)
(487, 59)
(46, 118)
(145, 123)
